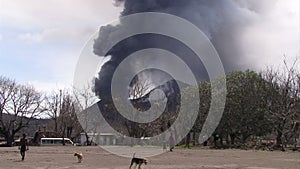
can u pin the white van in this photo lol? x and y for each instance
(56, 142)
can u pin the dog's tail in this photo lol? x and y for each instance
(133, 155)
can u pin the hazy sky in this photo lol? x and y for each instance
(40, 41)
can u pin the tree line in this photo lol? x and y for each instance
(20, 104)
(258, 106)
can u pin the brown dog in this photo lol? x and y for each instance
(79, 156)
(138, 161)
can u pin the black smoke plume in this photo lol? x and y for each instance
(223, 21)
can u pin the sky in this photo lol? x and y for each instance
(40, 41)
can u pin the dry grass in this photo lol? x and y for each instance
(95, 157)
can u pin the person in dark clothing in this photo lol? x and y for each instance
(23, 146)
(171, 142)
(188, 141)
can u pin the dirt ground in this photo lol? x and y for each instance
(95, 157)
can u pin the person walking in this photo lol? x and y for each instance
(23, 147)
(171, 142)
(188, 141)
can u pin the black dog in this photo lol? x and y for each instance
(138, 161)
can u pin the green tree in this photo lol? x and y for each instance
(245, 111)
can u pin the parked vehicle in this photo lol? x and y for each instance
(56, 142)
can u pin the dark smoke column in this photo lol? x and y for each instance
(222, 22)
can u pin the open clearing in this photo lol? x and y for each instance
(61, 157)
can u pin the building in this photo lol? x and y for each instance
(99, 138)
